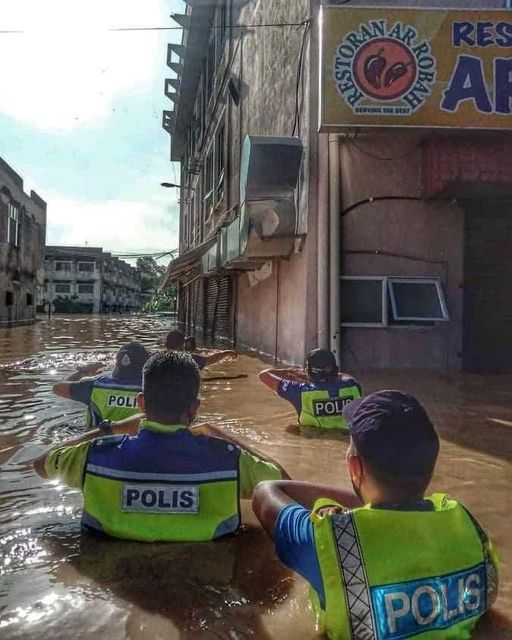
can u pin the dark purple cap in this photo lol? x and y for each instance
(392, 430)
(129, 361)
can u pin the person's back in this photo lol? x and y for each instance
(173, 485)
(166, 483)
(320, 398)
(388, 562)
(403, 573)
(109, 396)
(112, 398)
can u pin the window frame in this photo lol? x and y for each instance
(13, 217)
(62, 284)
(88, 262)
(390, 316)
(426, 280)
(384, 302)
(66, 262)
(85, 293)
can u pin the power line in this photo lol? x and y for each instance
(230, 26)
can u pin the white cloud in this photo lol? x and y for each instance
(115, 225)
(66, 69)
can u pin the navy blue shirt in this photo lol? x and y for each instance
(292, 390)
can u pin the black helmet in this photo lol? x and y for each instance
(321, 365)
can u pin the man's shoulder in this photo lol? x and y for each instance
(294, 386)
(105, 442)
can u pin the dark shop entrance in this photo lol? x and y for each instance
(487, 329)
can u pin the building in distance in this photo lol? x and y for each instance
(22, 240)
(89, 280)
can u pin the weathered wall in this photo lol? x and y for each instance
(266, 61)
(20, 265)
(272, 314)
(413, 237)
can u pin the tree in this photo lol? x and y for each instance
(151, 274)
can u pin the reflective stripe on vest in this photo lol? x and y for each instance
(320, 409)
(112, 400)
(390, 575)
(162, 487)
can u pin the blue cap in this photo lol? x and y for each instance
(392, 430)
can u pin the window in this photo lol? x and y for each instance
(13, 226)
(363, 301)
(380, 301)
(62, 288)
(222, 27)
(85, 288)
(219, 164)
(417, 300)
(208, 184)
(210, 66)
(63, 265)
(86, 266)
(30, 300)
(9, 298)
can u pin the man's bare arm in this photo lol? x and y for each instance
(62, 388)
(128, 426)
(272, 377)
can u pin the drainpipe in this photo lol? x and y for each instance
(323, 243)
(335, 245)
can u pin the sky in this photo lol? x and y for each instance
(80, 118)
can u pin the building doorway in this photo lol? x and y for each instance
(487, 326)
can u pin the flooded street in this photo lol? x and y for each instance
(56, 583)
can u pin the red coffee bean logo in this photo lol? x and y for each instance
(384, 69)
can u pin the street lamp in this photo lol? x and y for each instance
(171, 185)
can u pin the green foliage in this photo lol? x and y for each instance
(151, 276)
(162, 301)
(62, 304)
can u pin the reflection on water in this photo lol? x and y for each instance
(55, 583)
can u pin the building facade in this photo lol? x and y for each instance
(22, 240)
(389, 240)
(88, 280)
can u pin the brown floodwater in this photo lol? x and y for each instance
(56, 583)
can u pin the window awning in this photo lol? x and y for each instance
(182, 267)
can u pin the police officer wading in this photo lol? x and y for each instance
(166, 483)
(386, 562)
(319, 394)
(110, 396)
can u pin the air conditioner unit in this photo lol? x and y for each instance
(269, 173)
(210, 259)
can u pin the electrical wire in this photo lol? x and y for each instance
(299, 77)
(230, 26)
(376, 156)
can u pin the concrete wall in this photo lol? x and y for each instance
(407, 236)
(20, 266)
(266, 60)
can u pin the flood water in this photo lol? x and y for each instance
(55, 583)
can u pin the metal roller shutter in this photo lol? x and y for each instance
(210, 303)
(218, 321)
(224, 324)
(488, 287)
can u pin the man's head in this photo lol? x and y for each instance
(175, 339)
(321, 365)
(129, 362)
(170, 388)
(393, 449)
(190, 343)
